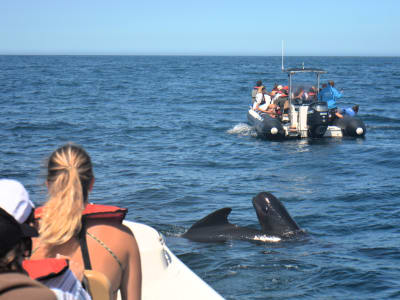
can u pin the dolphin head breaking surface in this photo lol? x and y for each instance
(273, 216)
(275, 221)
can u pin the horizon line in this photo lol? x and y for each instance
(205, 55)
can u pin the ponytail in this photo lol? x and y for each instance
(69, 176)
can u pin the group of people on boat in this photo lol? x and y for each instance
(303, 95)
(45, 250)
(275, 103)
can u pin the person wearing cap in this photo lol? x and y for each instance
(14, 199)
(280, 99)
(277, 91)
(254, 91)
(15, 240)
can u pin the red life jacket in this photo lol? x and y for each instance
(282, 94)
(96, 211)
(93, 211)
(40, 269)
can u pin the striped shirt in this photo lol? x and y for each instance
(67, 287)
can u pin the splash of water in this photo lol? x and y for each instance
(242, 129)
(265, 238)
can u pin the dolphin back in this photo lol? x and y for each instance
(217, 218)
(212, 228)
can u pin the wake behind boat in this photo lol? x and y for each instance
(301, 115)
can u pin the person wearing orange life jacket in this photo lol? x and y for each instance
(274, 91)
(277, 91)
(53, 273)
(280, 98)
(69, 225)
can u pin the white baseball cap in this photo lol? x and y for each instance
(14, 199)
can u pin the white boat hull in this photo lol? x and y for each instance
(164, 276)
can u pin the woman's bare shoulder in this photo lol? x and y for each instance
(113, 233)
(109, 226)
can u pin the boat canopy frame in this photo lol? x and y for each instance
(293, 71)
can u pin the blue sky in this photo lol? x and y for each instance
(203, 27)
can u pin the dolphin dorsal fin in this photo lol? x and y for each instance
(218, 217)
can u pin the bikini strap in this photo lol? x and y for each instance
(107, 248)
(84, 247)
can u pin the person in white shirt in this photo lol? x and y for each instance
(14, 199)
(264, 103)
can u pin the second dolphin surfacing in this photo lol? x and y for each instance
(275, 221)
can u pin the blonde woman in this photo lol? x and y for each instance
(91, 235)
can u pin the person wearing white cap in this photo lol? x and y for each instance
(14, 199)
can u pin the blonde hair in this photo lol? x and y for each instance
(69, 176)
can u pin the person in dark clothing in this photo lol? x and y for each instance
(16, 243)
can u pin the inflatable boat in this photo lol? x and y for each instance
(304, 118)
(164, 276)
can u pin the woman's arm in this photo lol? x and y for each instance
(336, 93)
(131, 283)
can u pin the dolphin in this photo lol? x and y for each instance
(275, 221)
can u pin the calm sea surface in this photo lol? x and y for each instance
(169, 140)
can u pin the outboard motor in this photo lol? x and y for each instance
(317, 119)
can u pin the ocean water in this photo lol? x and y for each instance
(169, 139)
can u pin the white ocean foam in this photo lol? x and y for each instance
(266, 238)
(291, 267)
(242, 129)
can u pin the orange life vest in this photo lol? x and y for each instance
(40, 269)
(96, 211)
(92, 211)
